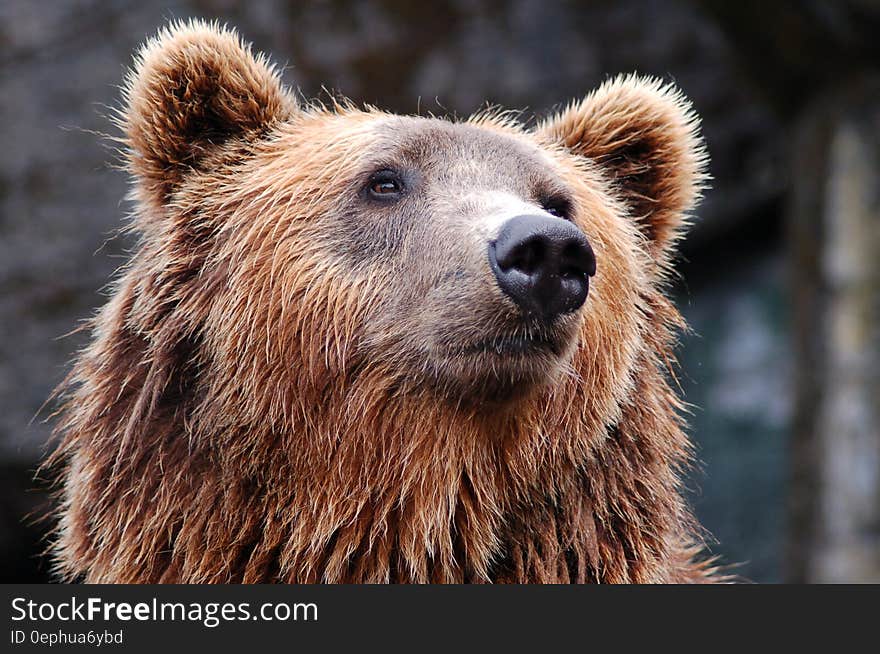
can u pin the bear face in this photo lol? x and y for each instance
(447, 323)
(386, 347)
(438, 319)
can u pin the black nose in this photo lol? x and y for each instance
(543, 264)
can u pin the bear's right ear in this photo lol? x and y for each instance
(194, 87)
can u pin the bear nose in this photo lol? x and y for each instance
(543, 264)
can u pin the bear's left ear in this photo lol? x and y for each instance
(645, 136)
(193, 88)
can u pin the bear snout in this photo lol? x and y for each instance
(543, 264)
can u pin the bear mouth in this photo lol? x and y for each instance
(499, 367)
(515, 345)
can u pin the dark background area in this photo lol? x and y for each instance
(787, 93)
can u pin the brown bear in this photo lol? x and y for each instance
(353, 346)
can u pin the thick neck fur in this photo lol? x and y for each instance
(363, 482)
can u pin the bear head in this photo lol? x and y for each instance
(477, 260)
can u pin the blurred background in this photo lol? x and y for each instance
(780, 276)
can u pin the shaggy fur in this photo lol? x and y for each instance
(279, 388)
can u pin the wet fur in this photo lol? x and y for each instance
(258, 405)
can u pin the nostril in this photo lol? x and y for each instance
(577, 258)
(527, 257)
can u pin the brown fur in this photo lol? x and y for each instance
(263, 401)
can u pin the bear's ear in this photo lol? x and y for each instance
(645, 136)
(194, 87)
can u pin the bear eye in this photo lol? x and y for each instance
(385, 185)
(557, 206)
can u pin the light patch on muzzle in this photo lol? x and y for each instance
(493, 209)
